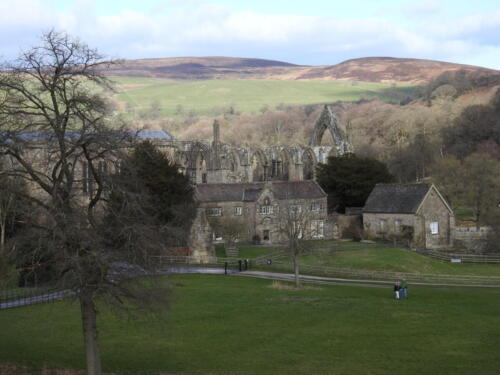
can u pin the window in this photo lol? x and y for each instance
(237, 211)
(266, 210)
(397, 225)
(383, 225)
(265, 235)
(315, 207)
(434, 227)
(214, 211)
(203, 178)
(295, 208)
(317, 228)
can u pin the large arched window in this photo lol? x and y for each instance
(308, 165)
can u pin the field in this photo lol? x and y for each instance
(231, 325)
(380, 257)
(372, 257)
(209, 97)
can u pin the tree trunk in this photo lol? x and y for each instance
(2, 237)
(296, 270)
(89, 315)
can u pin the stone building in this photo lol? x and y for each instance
(236, 181)
(258, 205)
(418, 210)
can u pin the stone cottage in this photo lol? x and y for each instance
(418, 211)
(258, 206)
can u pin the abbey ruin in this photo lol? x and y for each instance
(216, 162)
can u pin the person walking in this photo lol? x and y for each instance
(404, 289)
(397, 289)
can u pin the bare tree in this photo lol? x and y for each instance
(56, 131)
(295, 224)
(231, 230)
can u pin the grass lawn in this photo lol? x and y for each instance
(207, 96)
(230, 325)
(382, 257)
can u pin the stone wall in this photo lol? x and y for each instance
(200, 238)
(373, 229)
(344, 226)
(434, 210)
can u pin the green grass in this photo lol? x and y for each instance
(210, 96)
(382, 257)
(230, 325)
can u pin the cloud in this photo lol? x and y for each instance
(423, 8)
(173, 29)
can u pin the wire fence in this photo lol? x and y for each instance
(279, 260)
(17, 297)
(388, 276)
(460, 257)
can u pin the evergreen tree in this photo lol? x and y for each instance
(349, 179)
(150, 183)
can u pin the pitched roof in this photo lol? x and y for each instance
(250, 192)
(154, 134)
(396, 198)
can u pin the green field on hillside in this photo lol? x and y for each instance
(372, 257)
(210, 97)
(380, 257)
(233, 325)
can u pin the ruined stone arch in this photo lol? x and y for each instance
(329, 121)
(308, 164)
(233, 162)
(198, 162)
(182, 162)
(201, 169)
(286, 165)
(258, 166)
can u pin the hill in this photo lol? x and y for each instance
(389, 69)
(194, 68)
(367, 69)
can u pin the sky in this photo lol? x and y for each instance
(312, 32)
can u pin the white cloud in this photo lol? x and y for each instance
(206, 29)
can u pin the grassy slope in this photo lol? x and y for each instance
(386, 258)
(244, 95)
(229, 325)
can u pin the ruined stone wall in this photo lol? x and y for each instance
(340, 226)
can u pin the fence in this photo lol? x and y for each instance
(387, 276)
(460, 258)
(16, 297)
(467, 233)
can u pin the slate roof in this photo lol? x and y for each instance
(154, 134)
(396, 198)
(46, 136)
(250, 192)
